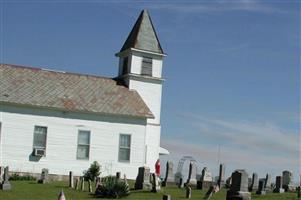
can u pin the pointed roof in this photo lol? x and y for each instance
(143, 35)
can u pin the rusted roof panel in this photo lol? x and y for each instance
(68, 91)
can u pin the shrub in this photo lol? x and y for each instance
(111, 187)
(17, 177)
(92, 172)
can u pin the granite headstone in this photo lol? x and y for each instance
(239, 186)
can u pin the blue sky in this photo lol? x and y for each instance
(232, 71)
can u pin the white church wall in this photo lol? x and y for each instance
(62, 134)
(153, 144)
(151, 93)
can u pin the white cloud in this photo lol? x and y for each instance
(218, 6)
(256, 146)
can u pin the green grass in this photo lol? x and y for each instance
(30, 190)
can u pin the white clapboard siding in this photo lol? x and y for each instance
(62, 131)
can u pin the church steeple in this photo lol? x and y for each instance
(143, 35)
(140, 69)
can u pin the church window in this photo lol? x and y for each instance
(39, 137)
(124, 147)
(147, 66)
(125, 68)
(83, 144)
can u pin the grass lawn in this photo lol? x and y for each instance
(30, 190)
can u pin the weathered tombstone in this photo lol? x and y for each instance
(97, 182)
(1, 174)
(206, 180)
(169, 176)
(228, 182)
(155, 183)
(90, 186)
(118, 175)
(166, 197)
(142, 180)
(188, 191)
(278, 188)
(299, 192)
(76, 183)
(179, 179)
(6, 184)
(267, 185)
(125, 180)
(239, 186)
(44, 176)
(82, 183)
(261, 188)
(192, 174)
(254, 184)
(180, 184)
(71, 183)
(287, 181)
(221, 177)
(61, 196)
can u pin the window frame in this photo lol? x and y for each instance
(147, 66)
(78, 145)
(33, 141)
(122, 147)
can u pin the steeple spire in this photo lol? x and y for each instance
(143, 35)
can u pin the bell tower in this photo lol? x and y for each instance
(140, 69)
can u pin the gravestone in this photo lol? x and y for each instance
(82, 183)
(118, 175)
(287, 181)
(254, 183)
(278, 188)
(180, 184)
(221, 177)
(1, 174)
(155, 183)
(125, 180)
(71, 183)
(76, 183)
(239, 186)
(143, 178)
(261, 187)
(44, 176)
(192, 174)
(90, 186)
(61, 196)
(206, 180)
(267, 185)
(169, 176)
(166, 197)
(228, 182)
(6, 184)
(188, 192)
(178, 177)
(97, 182)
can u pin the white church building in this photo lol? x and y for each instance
(64, 121)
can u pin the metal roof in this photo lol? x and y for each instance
(68, 91)
(143, 35)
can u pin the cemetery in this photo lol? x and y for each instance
(118, 120)
(149, 185)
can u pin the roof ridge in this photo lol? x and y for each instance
(54, 71)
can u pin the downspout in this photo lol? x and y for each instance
(1, 120)
(145, 146)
